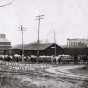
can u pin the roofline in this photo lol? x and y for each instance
(76, 39)
(20, 48)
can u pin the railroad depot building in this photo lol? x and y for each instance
(47, 49)
(5, 45)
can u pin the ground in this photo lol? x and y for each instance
(41, 76)
(83, 70)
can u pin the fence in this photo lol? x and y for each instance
(20, 67)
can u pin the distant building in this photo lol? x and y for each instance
(77, 43)
(5, 45)
(43, 48)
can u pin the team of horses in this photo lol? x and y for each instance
(60, 59)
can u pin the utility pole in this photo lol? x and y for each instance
(22, 31)
(39, 18)
(55, 42)
(1, 6)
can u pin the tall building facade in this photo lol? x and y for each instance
(77, 43)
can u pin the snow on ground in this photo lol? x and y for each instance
(64, 71)
(32, 81)
(46, 83)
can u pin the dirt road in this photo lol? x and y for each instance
(39, 79)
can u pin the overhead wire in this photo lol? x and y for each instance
(4, 3)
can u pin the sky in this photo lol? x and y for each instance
(67, 18)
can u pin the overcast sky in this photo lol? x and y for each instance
(68, 18)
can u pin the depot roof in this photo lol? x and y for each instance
(34, 46)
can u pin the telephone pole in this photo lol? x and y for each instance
(55, 43)
(22, 31)
(39, 18)
(1, 6)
